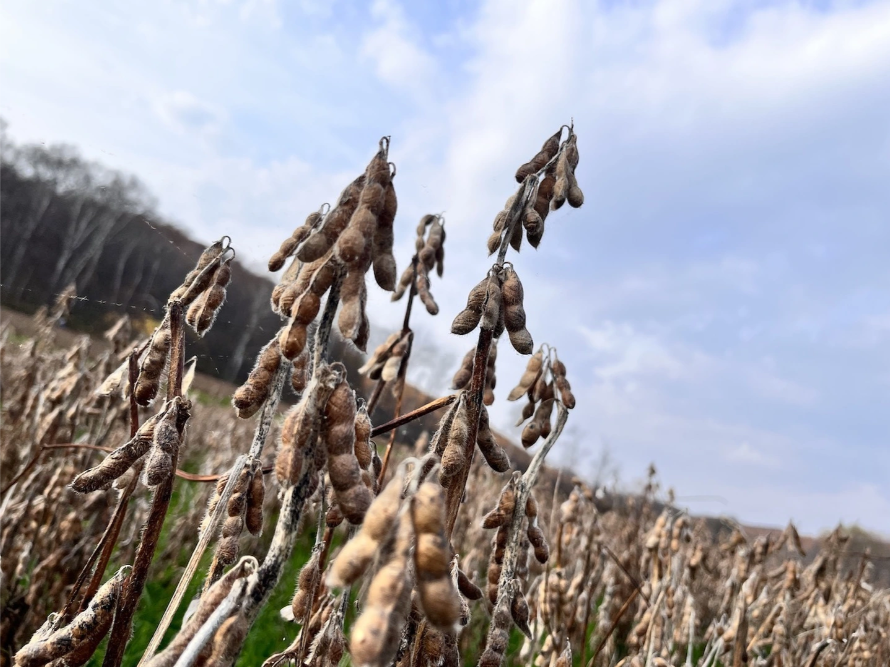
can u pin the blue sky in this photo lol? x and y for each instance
(722, 300)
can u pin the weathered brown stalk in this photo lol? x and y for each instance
(129, 600)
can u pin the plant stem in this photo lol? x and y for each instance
(129, 599)
(408, 417)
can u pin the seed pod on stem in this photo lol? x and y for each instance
(514, 312)
(454, 455)
(152, 366)
(357, 553)
(322, 239)
(249, 397)
(432, 558)
(468, 319)
(548, 152)
(202, 313)
(289, 245)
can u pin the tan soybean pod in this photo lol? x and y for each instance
(322, 239)
(250, 396)
(547, 152)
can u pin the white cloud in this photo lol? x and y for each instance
(747, 454)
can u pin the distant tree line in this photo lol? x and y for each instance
(67, 221)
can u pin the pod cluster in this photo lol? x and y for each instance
(244, 509)
(202, 294)
(74, 643)
(387, 361)
(495, 304)
(376, 634)
(500, 518)
(555, 163)
(338, 430)
(358, 553)
(430, 255)
(166, 442)
(543, 378)
(119, 461)
(355, 235)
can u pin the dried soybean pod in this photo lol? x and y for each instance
(539, 543)
(529, 377)
(357, 553)
(165, 445)
(152, 366)
(494, 454)
(468, 318)
(86, 630)
(249, 397)
(307, 586)
(384, 262)
(352, 297)
(574, 195)
(363, 437)
(491, 311)
(119, 461)
(531, 507)
(503, 513)
(253, 518)
(454, 457)
(423, 291)
(519, 611)
(467, 588)
(353, 497)
(432, 556)
(376, 634)
(465, 372)
(289, 246)
(198, 279)
(227, 641)
(300, 375)
(208, 305)
(322, 239)
(538, 162)
(514, 313)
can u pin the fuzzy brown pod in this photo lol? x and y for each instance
(461, 379)
(308, 582)
(152, 365)
(539, 161)
(323, 238)
(468, 319)
(519, 610)
(203, 311)
(491, 309)
(538, 541)
(256, 494)
(357, 553)
(494, 454)
(166, 442)
(249, 397)
(467, 588)
(503, 513)
(432, 557)
(422, 283)
(353, 297)
(338, 432)
(299, 376)
(119, 461)
(289, 245)
(363, 437)
(85, 631)
(532, 372)
(454, 457)
(514, 313)
(383, 261)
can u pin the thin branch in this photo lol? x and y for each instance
(409, 417)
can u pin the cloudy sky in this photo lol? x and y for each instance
(722, 300)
